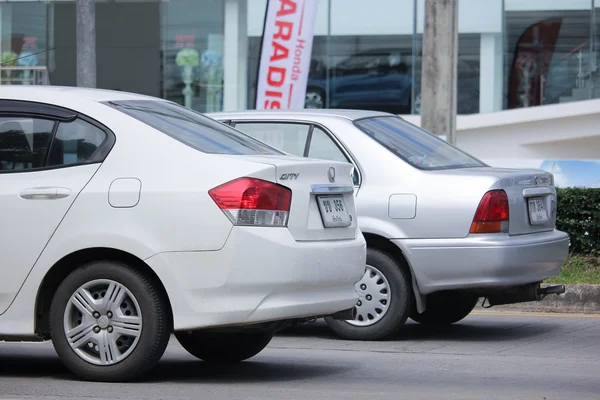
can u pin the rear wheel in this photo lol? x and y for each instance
(222, 347)
(385, 300)
(109, 322)
(445, 308)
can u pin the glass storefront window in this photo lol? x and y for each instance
(548, 53)
(23, 44)
(193, 57)
(366, 55)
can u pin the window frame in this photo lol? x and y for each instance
(312, 125)
(57, 115)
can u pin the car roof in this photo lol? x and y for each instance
(351, 115)
(39, 93)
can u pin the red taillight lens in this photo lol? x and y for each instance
(492, 213)
(253, 202)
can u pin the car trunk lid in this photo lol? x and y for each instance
(531, 197)
(323, 205)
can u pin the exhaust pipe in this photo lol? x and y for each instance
(345, 315)
(523, 294)
(554, 289)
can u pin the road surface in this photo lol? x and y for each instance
(489, 356)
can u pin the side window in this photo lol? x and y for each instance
(24, 142)
(75, 142)
(288, 137)
(323, 147)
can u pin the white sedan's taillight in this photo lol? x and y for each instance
(253, 202)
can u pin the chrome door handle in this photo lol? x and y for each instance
(45, 193)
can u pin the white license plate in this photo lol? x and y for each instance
(538, 215)
(333, 211)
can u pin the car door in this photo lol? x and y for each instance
(298, 138)
(47, 156)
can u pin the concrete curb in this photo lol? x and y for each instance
(579, 299)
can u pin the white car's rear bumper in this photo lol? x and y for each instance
(260, 275)
(485, 261)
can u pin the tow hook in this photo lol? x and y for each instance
(522, 294)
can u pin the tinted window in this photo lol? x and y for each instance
(288, 137)
(323, 148)
(24, 142)
(192, 128)
(75, 142)
(414, 145)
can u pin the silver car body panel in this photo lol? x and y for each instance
(428, 213)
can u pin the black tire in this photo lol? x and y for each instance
(401, 300)
(446, 308)
(229, 347)
(155, 325)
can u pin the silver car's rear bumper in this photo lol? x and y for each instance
(485, 261)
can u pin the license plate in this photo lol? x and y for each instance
(333, 211)
(538, 215)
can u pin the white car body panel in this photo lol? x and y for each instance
(31, 222)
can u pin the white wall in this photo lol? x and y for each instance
(568, 131)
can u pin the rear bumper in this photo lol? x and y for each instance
(485, 261)
(261, 275)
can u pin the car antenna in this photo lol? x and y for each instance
(25, 56)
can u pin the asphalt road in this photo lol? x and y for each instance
(485, 357)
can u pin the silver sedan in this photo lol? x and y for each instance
(443, 229)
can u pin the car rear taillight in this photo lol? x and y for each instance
(253, 202)
(492, 213)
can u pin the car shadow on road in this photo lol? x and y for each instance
(23, 364)
(255, 370)
(464, 331)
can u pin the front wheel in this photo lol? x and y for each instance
(109, 322)
(385, 300)
(446, 308)
(226, 347)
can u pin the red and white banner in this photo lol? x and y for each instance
(285, 54)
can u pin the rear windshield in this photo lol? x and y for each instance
(414, 145)
(192, 128)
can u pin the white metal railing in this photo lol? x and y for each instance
(24, 76)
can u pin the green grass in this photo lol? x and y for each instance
(579, 269)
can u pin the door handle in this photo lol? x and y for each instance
(45, 193)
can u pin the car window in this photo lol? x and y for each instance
(24, 142)
(415, 145)
(192, 128)
(322, 147)
(75, 142)
(288, 137)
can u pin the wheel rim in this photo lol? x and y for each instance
(313, 100)
(103, 322)
(373, 298)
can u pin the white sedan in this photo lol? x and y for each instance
(127, 218)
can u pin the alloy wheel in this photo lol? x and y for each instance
(103, 322)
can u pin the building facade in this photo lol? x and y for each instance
(204, 53)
